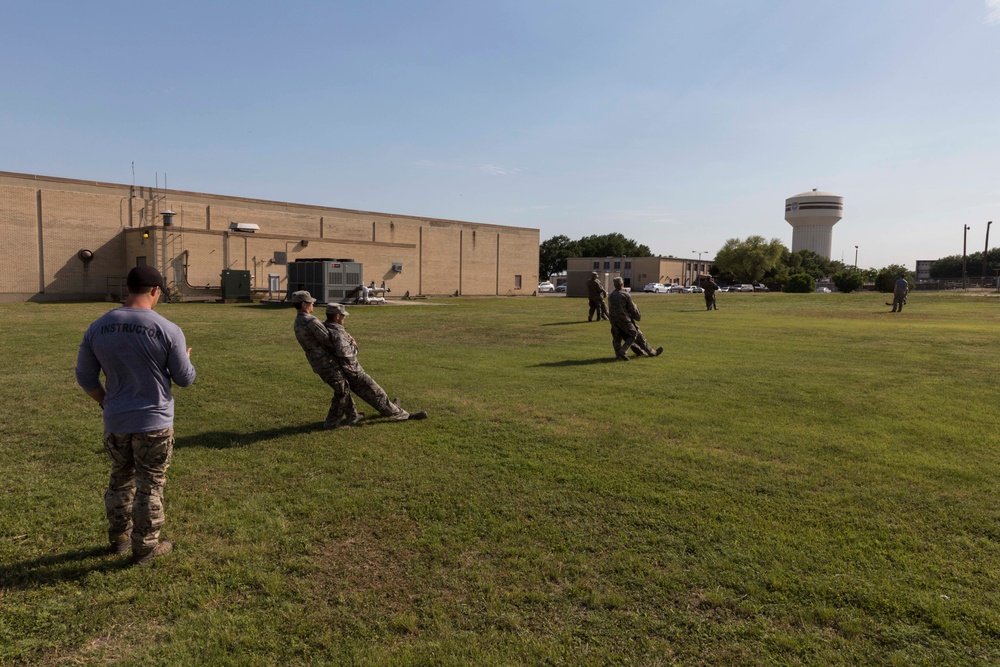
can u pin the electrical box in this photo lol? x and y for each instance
(327, 280)
(235, 285)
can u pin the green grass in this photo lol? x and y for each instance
(798, 480)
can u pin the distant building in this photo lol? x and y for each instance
(638, 271)
(923, 270)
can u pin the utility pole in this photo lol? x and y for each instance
(965, 277)
(855, 258)
(986, 250)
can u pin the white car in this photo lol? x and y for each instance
(697, 290)
(678, 289)
(655, 288)
(823, 290)
(546, 287)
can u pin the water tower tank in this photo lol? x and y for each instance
(812, 216)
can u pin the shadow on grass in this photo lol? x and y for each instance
(57, 568)
(229, 439)
(563, 324)
(576, 362)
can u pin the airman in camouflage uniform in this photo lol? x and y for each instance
(315, 342)
(624, 332)
(710, 287)
(345, 349)
(595, 295)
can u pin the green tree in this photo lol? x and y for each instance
(888, 275)
(611, 245)
(849, 280)
(801, 283)
(552, 254)
(751, 259)
(807, 261)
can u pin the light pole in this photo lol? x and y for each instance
(855, 258)
(697, 269)
(965, 236)
(986, 250)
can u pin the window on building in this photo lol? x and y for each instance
(618, 265)
(517, 282)
(628, 265)
(597, 265)
(607, 265)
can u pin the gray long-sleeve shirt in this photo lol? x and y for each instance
(140, 353)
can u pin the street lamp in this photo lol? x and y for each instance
(855, 258)
(965, 236)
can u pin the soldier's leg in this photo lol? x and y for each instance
(643, 344)
(370, 392)
(593, 309)
(152, 452)
(616, 340)
(120, 493)
(342, 404)
(604, 311)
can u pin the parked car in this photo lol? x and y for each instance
(561, 287)
(677, 289)
(655, 288)
(743, 287)
(824, 290)
(546, 287)
(760, 288)
(697, 290)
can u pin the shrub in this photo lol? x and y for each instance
(801, 283)
(848, 281)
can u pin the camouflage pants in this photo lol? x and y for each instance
(710, 301)
(134, 498)
(626, 335)
(597, 306)
(368, 390)
(342, 403)
(898, 301)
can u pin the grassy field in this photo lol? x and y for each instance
(798, 480)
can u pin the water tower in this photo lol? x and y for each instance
(812, 216)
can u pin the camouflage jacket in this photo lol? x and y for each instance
(621, 307)
(344, 345)
(595, 290)
(315, 342)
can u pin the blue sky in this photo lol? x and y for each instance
(678, 124)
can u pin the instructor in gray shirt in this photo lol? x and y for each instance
(141, 354)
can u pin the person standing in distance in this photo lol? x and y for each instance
(710, 287)
(595, 295)
(346, 352)
(899, 291)
(315, 342)
(140, 353)
(625, 333)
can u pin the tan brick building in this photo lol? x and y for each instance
(638, 271)
(66, 239)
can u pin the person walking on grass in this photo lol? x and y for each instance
(595, 296)
(141, 354)
(345, 350)
(710, 287)
(899, 290)
(624, 333)
(315, 342)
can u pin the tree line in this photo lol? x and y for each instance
(553, 253)
(757, 260)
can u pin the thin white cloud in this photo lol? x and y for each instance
(498, 171)
(992, 11)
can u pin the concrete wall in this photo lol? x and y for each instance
(46, 221)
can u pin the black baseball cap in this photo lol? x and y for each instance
(144, 276)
